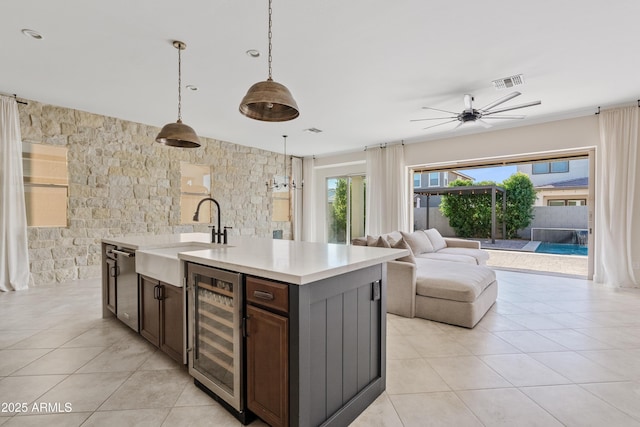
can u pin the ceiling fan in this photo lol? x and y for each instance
(470, 114)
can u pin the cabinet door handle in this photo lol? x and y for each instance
(155, 292)
(263, 295)
(114, 272)
(160, 292)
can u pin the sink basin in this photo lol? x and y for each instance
(163, 263)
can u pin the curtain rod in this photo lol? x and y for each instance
(14, 97)
(383, 144)
(598, 112)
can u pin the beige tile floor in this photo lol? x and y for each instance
(553, 351)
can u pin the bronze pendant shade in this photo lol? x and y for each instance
(178, 134)
(269, 101)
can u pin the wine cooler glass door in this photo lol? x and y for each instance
(216, 356)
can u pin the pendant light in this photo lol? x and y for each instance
(178, 134)
(269, 101)
(288, 181)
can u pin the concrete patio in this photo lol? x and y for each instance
(535, 262)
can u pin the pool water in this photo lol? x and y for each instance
(562, 249)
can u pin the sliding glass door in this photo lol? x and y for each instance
(346, 206)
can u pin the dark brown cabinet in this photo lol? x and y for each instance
(268, 350)
(161, 316)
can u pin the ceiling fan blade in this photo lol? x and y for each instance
(502, 117)
(483, 123)
(434, 118)
(500, 110)
(500, 101)
(440, 124)
(437, 109)
(468, 102)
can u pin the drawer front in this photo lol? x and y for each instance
(268, 294)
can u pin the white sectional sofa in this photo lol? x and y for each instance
(443, 279)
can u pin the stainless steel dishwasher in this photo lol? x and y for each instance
(127, 288)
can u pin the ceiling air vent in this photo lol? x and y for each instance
(313, 130)
(508, 82)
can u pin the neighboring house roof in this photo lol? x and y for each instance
(463, 176)
(569, 183)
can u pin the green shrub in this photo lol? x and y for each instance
(470, 214)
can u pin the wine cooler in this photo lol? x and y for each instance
(215, 335)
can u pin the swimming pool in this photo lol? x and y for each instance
(562, 249)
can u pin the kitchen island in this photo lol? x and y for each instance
(305, 324)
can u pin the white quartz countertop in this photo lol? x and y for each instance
(159, 241)
(284, 260)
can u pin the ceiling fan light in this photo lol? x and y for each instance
(269, 101)
(178, 135)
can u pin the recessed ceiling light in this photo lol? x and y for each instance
(32, 33)
(192, 87)
(253, 53)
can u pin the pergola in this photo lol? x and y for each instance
(475, 189)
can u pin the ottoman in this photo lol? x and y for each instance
(455, 293)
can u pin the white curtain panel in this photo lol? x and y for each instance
(387, 208)
(617, 226)
(297, 219)
(375, 191)
(308, 201)
(14, 252)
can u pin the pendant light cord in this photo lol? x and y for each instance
(270, 35)
(179, 84)
(285, 157)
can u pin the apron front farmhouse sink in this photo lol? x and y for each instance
(163, 263)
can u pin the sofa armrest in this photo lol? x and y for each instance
(461, 243)
(401, 288)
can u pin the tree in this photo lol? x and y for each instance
(340, 207)
(521, 196)
(469, 214)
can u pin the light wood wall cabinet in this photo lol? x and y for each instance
(161, 316)
(267, 350)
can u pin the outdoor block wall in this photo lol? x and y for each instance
(574, 217)
(121, 182)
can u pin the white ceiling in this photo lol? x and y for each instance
(359, 70)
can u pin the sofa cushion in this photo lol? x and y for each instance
(437, 241)
(378, 242)
(456, 282)
(455, 257)
(481, 256)
(401, 244)
(359, 241)
(418, 241)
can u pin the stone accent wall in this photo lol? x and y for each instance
(121, 182)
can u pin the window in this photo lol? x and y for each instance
(195, 184)
(559, 167)
(567, 202)
(551, 167)
(445, 182)
(46, 184)
(345, 208)
(434, 179)
(417, 180)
